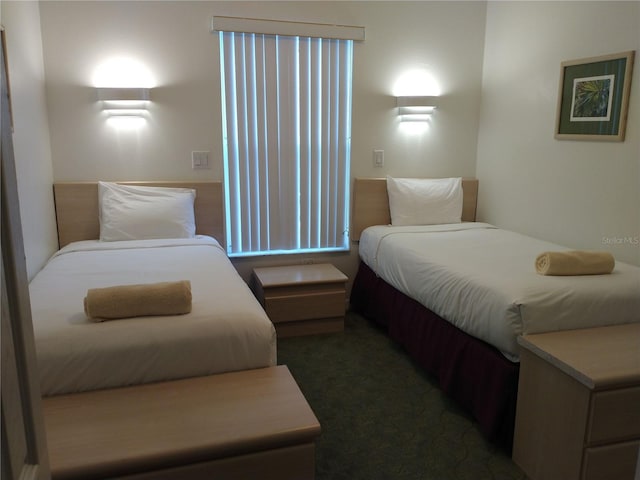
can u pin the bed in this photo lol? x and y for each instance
(225, 330)
(456, 297)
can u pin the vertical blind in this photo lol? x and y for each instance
(286, 117)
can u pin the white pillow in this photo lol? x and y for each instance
(130, 212)
(420, 201)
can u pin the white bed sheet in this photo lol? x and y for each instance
(226, 330)
(483, 280)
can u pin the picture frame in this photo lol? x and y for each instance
(593, 97)
(3, 41)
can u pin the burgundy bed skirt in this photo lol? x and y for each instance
(473, 373)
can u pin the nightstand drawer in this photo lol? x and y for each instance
(577, 416)
(302, 299)
(615, 415)
(305, 307)
(611, 461)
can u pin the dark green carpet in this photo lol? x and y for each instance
(381, 416)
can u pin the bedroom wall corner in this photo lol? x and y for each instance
(32, 150)
(582, 194)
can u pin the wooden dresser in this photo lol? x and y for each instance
(578, 412)
(302, 299)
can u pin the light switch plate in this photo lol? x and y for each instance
(378, 158)
(200, 160)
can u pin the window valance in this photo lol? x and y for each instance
(283, 27)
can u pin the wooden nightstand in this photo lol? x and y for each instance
(578, 412)
(302, 299)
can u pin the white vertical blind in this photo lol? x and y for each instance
(286, 108)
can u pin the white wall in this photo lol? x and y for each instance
(173, 40)
(578, 193)
(21, 21)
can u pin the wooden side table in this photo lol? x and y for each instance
(302, 299)
(578, 412)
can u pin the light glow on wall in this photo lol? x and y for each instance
(126, 122)
(416, 82)
(414, 128)
(122, 72)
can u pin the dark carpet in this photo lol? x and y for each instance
(381, 416)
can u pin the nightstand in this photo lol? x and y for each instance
(578, 412)
(302, 299)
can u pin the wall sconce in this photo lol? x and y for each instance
(123, 102)
(416, 108)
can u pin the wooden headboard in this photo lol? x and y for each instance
(371, 203)
(77, 209)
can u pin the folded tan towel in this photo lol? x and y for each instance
(123, 301)
(575, 262)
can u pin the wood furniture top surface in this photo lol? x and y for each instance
(151, 426)
(371, 203)
(76, 206)
(299, 274)
(599, 357)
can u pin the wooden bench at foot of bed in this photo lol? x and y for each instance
(248, 424)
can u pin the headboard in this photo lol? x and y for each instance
(371, 203)
(76, 206)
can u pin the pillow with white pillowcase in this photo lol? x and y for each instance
(131, 212)
(425, 201)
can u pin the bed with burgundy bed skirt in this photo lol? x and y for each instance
(456, 294)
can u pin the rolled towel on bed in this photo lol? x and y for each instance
(124, 301)
(575, 262)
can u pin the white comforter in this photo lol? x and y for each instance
(226, 330)
(483, 280)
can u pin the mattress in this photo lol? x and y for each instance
(226, 330)
(482, 279)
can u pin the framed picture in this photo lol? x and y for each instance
(3, 40)
(593, 98)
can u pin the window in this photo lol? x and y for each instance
(286, 119)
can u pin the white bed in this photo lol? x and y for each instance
(226, 330)
(456, 296)
(483, 280)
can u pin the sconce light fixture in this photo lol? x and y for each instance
(416, 108)
(122, 102)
